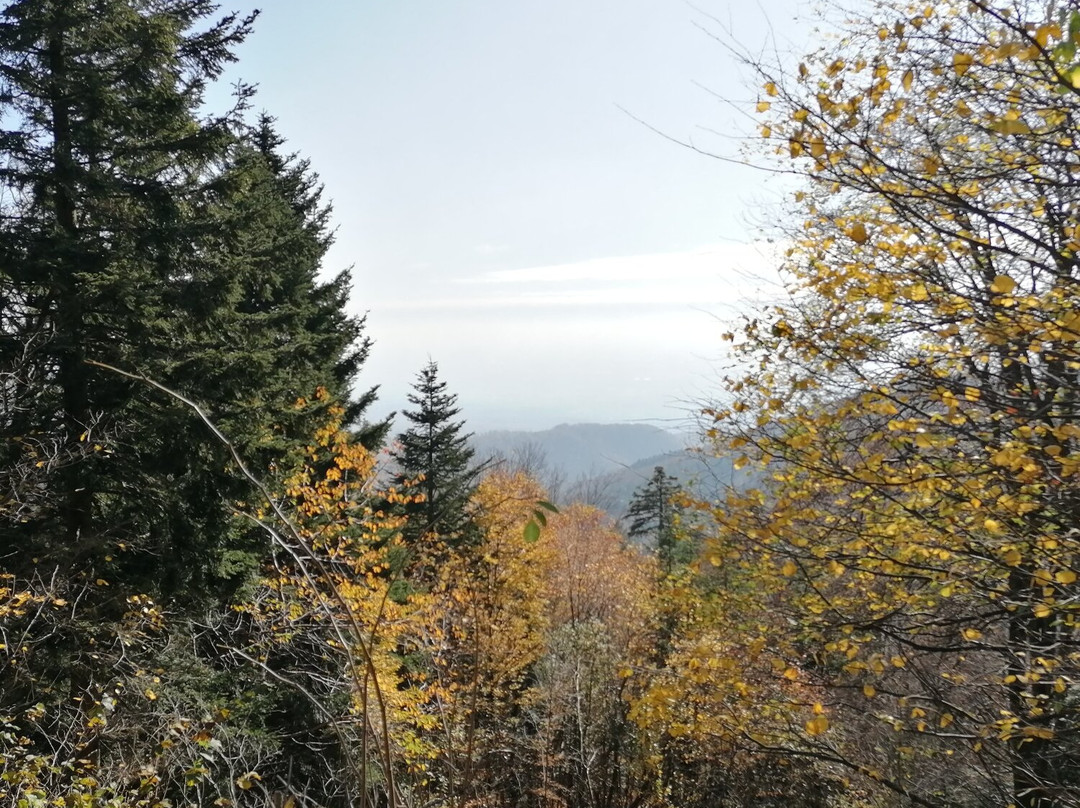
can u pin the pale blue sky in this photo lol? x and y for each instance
(504, 216)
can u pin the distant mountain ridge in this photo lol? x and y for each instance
(581, 450)
(604, 464)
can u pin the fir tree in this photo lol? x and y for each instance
(138, 234)
(274, 335)
(326, 345)
(435, 450)
(655, 515)
(104, 158)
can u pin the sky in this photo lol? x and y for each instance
(509, 197)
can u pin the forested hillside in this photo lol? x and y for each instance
(579, 450)
(223, 582)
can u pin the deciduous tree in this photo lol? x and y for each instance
(915, 403)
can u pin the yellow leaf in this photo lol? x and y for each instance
(898, 662)
(770, 88)
(1065, 577)
(1038, 732)
(1071, 324)
(246, 781)
(1044, 33)
(763, 106)
(961, 63)
(946, 719)
(918, 293)
(857, 232)
(789, 568)
(1009, 126)
(869, 691)
(909, 77)
(816, 726)
(971, 634)
(791, 674)
(1013, 557)
(1041, 610)
(1002, 285)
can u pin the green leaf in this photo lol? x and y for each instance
(1065, 51)
(539, 516)
(532, 532)
(547, 506)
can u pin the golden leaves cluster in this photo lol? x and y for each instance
(911, 408)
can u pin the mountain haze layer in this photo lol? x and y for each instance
(578, 450)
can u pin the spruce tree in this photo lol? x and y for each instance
(104, 159)
(655, 515)
(435, 449)
(140, 234)
(136, 232)
(299, 335)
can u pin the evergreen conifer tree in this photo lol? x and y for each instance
(139, 234)
(104, 160)
(655, 514)
(436, 449)
(326, 347)
(275, 334)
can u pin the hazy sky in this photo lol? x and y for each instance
(505, 216)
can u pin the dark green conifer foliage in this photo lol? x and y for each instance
(279, 335)
(139, 233)
(103, 154)
(436, 448)
(136, 232)
(655, 514)
(271, 334)
(322, 345)
(269, 347)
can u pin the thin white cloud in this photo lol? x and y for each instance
(707, 262)
(490, 249)
(729, 275)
